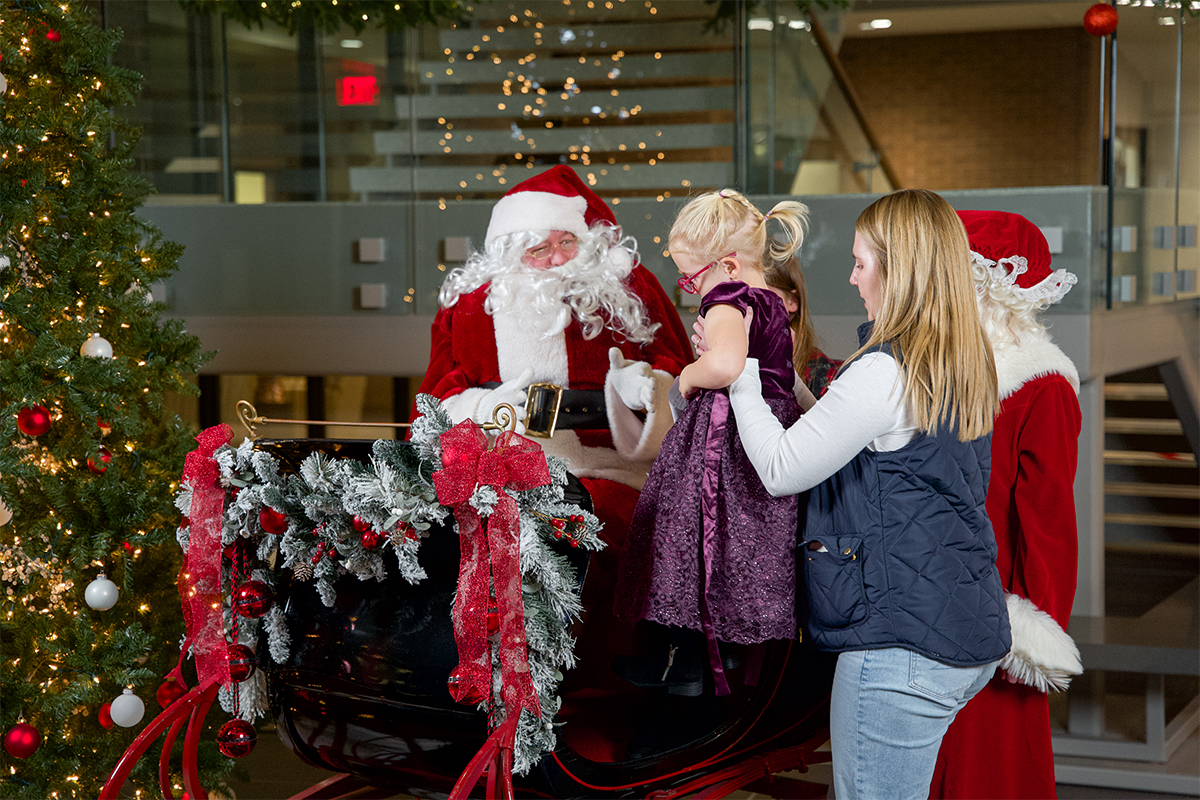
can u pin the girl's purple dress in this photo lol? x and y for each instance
(735, 577)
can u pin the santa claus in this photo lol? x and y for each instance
(999, 744)
(555, 317)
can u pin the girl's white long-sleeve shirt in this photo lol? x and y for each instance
(863, 407)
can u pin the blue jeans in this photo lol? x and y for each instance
(889, 711)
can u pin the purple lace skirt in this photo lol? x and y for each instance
(751, 569)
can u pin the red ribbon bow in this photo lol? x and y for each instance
(513, 463)
(200, 576)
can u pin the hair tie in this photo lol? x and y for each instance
(767, 215)
(721, 194)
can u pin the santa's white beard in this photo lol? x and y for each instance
(589, 288)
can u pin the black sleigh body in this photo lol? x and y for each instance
(364, 693)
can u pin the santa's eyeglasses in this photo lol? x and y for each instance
(566, 246)
(687, 281)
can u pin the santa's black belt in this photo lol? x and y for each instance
(550, 407)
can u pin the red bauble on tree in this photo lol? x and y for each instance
(1100, 19)
(272, 521)
(170, 691)
(99, 462)
(471, 696)
(360, 525)
(34, 420)
(53, 35)
(104, 715)
(371, 539)
(241, 662)
(252, 599)
(22, 740)
(236, 738)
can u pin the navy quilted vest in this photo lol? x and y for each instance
(910, 555)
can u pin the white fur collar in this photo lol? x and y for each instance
(1032, 357)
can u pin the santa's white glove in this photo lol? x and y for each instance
(632, 380)
(512, 392)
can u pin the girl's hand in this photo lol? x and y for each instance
(698, 340)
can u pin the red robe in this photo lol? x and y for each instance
(999, 744)
(470, 347)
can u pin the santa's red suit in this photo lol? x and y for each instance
(999, 744)
(472, 347)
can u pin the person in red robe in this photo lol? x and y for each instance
(999, 744)
(557, 301)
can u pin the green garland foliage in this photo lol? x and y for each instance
(327, 16)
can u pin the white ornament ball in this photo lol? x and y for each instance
(96, 347)
(101, 594)
(5, 513)
(3, 84)
(127, 710)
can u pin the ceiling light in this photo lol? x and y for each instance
(351, 44)
(1166, 20)
(760, 24)
(799, 25)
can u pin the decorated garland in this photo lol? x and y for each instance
(516, 595)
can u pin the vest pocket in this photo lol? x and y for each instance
(833, 575)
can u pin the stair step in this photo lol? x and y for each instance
(1144, 458)
(1180, 490)
(1155, 520)
(1135, 391)
(1134, 425)
(1180, 549)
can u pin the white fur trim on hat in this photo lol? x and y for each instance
(537, 211)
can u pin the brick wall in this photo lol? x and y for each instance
(982, 110)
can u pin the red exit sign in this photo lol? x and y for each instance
(357, 90)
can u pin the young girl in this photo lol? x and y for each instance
(709, 550)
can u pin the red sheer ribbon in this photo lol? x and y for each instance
(200, 577)
(513, 463)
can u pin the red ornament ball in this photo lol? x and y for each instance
(241, 662)
(360, 525)
(493, 619)
(468, 696)
(252, 599)
(53, 35)
(99, 462)
(1100, 19)
(34, 420)
(170, 691)
(105, 716)
(104, 425)
(272, 521)
(22, 740)
(371, 539)
(236, 738)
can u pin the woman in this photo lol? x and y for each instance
(899, 556)
(999, 747)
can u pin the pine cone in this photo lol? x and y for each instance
(302, 572)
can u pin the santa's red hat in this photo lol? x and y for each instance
(555, 200)
(1015, 254)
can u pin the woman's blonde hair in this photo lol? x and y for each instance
(786, 276)
(928, 313)
(717, 223)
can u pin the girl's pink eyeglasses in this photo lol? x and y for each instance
(686, 282)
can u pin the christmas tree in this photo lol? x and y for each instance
(89, 460)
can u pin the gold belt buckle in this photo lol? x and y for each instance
(541, 409)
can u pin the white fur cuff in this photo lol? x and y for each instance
(1043, 655)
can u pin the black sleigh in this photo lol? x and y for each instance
(364, 694)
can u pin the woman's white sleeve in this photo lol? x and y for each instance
(863, 403)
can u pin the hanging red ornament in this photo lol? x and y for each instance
(99, 462)
(33, 420)
(170, 691)
(104, 425)
(241, 662)
(236, 738)
(252, 599)
(272, 521)
(359, 524)
(493, 618)
(53, 35)
(472, 696)
(105, 716)
(1100, 19)
(22, 740)
(371, 539)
